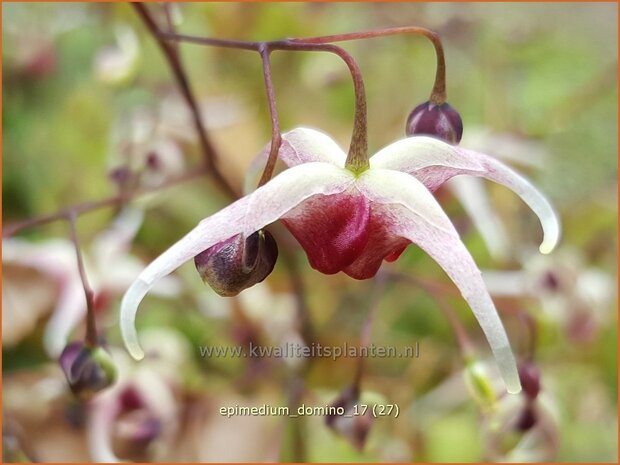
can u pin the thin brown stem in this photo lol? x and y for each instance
(357, 159)
(174, 61)
(438, 94)
(531, 330)
(366, 331)
(304, 320)
(210, 41)
(170, 23)
(91, 338)
(276, 135)
(86, 207)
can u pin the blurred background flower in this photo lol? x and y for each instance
(109, 266)
(90, 110)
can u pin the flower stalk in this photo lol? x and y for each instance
(276, 135)
(357, 157)
(91, 340)
(366, 331)
(438, 94)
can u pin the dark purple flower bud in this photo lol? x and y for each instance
(530, 379)
(237, 263)
(88, 369)
(527, 418)
(441, 121)
(348, 421)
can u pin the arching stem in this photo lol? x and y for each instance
(357, 158)
(438, 94)
(276, 135)
(91, 339)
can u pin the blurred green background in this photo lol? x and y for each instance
(543, 76)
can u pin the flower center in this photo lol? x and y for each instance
(332, 229)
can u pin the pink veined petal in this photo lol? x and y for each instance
(412, 212)
(433, 162)
(247, 215)
(301, 145)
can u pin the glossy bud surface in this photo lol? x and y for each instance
(441, 121)
(237, 263)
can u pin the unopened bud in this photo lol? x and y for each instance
(530, 379)
(238, 263)
(479, 385)
(441, 121)
(88, 369)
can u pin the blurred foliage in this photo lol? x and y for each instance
(542, 72)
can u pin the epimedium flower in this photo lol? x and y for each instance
(573, 295)
(521, 428)
(143, 408)
(350, 214)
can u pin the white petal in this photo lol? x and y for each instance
(247, 215)
(54, 257)
(433, 162)
(301, 145)
(474, 198)
(413, 213)
(69, 311)
(115, 240)
(102, 413)
(500, 173)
